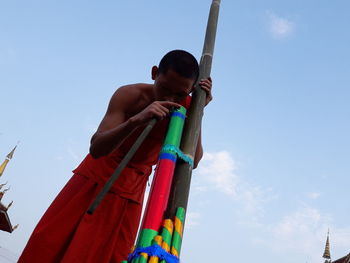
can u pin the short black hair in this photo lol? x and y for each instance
(180, 61)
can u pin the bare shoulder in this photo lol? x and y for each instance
(132, 98)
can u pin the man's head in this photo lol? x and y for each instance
(175, 76)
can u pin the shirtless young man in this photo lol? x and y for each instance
(66, 233)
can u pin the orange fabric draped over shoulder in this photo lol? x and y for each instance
(67, 234)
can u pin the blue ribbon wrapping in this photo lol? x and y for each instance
(154, 250)
(178, 114)
(178, 152)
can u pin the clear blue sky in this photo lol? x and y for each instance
(275, 175)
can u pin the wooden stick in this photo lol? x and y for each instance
(121, 166)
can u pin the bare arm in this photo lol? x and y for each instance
(116, 126)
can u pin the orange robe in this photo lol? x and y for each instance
(67, 234)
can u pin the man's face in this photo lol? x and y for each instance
(171, 86)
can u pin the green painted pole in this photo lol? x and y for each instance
(157, 240)
(182, 177)
(167, 233)
(144, 240)
(178, 230)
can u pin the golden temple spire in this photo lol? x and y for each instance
(8, 158)
(10, 155)
(327, 252)
(5, 224)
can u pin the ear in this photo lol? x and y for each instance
(154, 72)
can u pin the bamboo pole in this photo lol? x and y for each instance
(182, 177)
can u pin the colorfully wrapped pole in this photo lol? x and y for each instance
(178, 230)
(182, 177)
(158, 197)
(167, 233)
